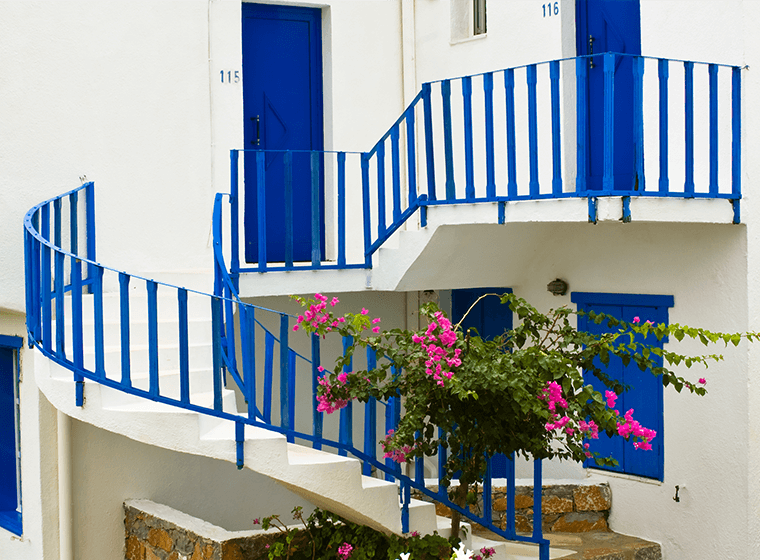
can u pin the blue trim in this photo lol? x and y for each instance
(642, 300)
(11, 341)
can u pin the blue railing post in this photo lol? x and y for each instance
(152, 288)
(97, 296)
(608, 182)
(346, 428)
(126, 378)
(216, 349)
(532, 129)
(581, 125)
(638, 124)
(370, 419)
(317, 416)
(713, 77)
(663, 71)
(556, 135)
(380, 158)
(448, 140)
(366, 210)
(689, 126)
(286, 421)
(316, 238)
(58, 282)
(90, 217)
(248, 334)
(509, 94)
(261, 210)
(411, 156)
(396, 173)
(736, 134)
(234, 219)
(341, 209)
(427, 105)
(469, 169)
(184, 359)
(287, 162)
(490, 156)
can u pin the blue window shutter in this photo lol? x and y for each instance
(10, 514)
(646, 395)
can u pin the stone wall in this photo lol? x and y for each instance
(567, 508)
(157, 532)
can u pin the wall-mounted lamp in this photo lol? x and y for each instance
(557, 287)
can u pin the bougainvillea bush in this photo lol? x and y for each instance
(523, 392)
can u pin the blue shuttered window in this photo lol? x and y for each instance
(10, 482)
(645, 395)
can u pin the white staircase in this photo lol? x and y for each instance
(325, 479)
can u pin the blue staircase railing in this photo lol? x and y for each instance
(66, 291)
(487, 139)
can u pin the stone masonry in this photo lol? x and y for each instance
(157, 532)
(566, 508)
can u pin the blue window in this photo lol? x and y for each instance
(645, 395)
(490, 318)
(10, 480)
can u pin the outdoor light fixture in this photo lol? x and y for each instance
(557, 287)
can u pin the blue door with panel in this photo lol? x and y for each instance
(610, 26)
(282, 104)
(490, 318)
(646, 393)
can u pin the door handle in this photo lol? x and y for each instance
(258, 131)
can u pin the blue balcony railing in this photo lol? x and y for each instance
(576, 127)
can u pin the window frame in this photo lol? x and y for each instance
(11, 520)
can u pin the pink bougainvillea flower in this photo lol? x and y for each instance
(375, 330)
(365, 311)
(702, 381)
(344, 551)
(335, 301)
(610, 397)
(636, 319)
(295, 327)
(376, 320)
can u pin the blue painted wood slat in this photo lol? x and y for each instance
(638, 124)
(469, 168)
(370, 420)
(509, 94)
(556, 135)
(126, 370)
(152, 289)
(234, 217)
(285, 417)
(46, 267)
(411, 156)
(736, 134)
(448, 140)
(427, 105)
(688, 68)
(184, 360)
(396, 173)
(58, 283)
(287, 162)
(712, 70)
(316, 250)
(663, 73)
(581, 109)
(216, 350)
(346, 428)
(532, 129)
(490, 156)
(249, 362)
(341, 209)
(317, 416)
(90, 219)
(97, 296)
(366, 209)
(608, 181)
(261, 206)
(268, 374)
(380, 156)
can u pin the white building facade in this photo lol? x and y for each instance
(148, 100)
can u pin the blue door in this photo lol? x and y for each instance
(10, 513)
(282, 104)
(490, 318)
(645, 395)
(610, 26)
